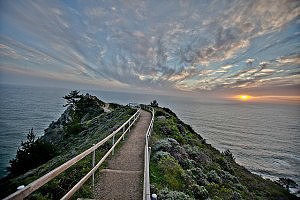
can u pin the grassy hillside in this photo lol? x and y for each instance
(184, 166)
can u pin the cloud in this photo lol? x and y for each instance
(227, 67)
(188, 45)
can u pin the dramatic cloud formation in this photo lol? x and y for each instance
(169, 45)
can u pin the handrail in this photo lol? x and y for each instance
(33, 186)
(146, 190)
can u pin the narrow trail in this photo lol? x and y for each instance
(123, 179)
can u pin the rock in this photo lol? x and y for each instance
(162, 118)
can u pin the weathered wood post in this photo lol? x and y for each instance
(93, 165)
(113, 143)
(123, 132)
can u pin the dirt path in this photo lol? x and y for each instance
(124, 177)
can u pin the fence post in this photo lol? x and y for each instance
(129, 126)
(93, 165)
(113, 143)
(123, 131)
(149, 152)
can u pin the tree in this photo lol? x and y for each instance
(154, 103)
(72, 98)
(31, 154)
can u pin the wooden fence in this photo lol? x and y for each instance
(146, 190)
(30, 188)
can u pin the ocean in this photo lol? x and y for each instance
(264, 138)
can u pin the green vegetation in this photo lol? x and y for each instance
(83, 124)
(184, 166)
(31, 154)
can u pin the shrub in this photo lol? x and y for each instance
(114, 105)
(225, 164)
(188, 163)
(199, 192)
(228, 154)
(73, 128)
(236, 196)
(160, 154)
(159, 113)
(165, 144)
(212, 176)
(199, 176)
(227, 177)
(172, 172)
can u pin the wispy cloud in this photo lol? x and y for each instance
(185, 45)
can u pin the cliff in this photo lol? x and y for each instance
(82, 124)
(184, 166)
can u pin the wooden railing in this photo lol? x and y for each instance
(22, 193)
(146, 190)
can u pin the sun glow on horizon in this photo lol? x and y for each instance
(267, 98)
(243, 97)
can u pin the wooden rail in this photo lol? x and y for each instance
(21, 194)
(146, 190)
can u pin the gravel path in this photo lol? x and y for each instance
(124, 177)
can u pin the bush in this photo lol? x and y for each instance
(73, 128)
(199, 176)
(172, 172)
(199, 192)
(227, 153)
(236, 196)
(159, 113)
(225, 164)
(227, 177)
(160, 154)
(212, 176)
(167, 144)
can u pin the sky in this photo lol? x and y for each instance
(187, 47)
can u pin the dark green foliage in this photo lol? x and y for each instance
(31, 154)
(171, 171)
(212, 176)
(72, 98)
(73, 128)
(159, 113)
(228, 154)
(90, 105)
(85, 108)
(154, 103)
(114, 105)
(199, 192)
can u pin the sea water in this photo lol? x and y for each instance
(264, 138)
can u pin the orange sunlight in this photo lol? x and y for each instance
(244, 97)
(270, 99)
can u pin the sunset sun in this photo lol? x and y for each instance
(244, 97)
